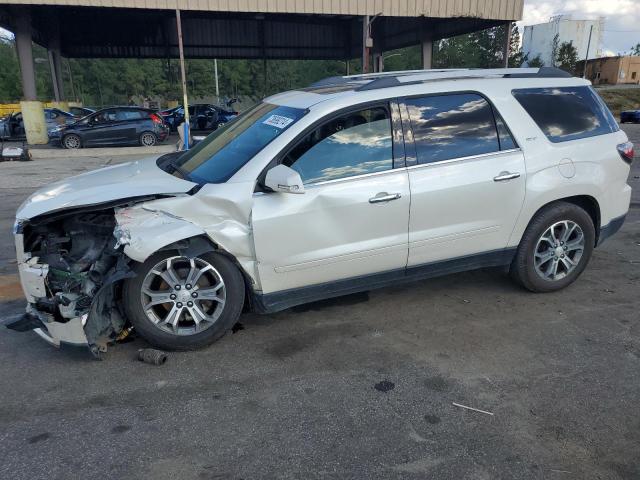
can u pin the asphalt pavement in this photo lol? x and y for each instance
(361, 387)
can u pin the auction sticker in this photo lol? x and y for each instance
(278, 121)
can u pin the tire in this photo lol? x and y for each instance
(71, 141)
(536, 258)
(148, 139)
(156, 324)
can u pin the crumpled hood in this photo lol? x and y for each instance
(127, 180)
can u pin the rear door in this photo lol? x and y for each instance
(467, 177)
(129, 124)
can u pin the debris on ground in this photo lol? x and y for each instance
(384, 386)
(152, 356)
(471, 408)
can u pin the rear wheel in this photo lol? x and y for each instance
(71, 141)
(148, 139)
(555, 248)
(181, 303)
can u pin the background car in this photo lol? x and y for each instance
(632, 116)
(113, 126)
(12, 125)
(203, 116)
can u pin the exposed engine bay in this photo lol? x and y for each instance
(70, 268)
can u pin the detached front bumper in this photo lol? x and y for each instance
(32, 279)
(55, 333)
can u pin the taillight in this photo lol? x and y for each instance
(626, 151)
(156, 118)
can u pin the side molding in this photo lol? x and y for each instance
(277, 301)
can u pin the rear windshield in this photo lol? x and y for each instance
(225, 151)
(567, 113)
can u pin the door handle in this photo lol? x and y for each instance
(384, 197)
(503, 176)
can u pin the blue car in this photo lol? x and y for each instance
(203, 117)
(631, 116)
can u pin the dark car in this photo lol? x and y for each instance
(81, 112)
(632, 116)
(113, 126)
(202, 116)
(12, 125)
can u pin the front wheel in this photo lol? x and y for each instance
(555, 248)
(181, 303)
(71, 141)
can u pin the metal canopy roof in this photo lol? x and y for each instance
(486, 9)
(273, 29)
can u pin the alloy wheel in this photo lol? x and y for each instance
(71, 142)
(183, 296)
(558, 251)
(148, 139)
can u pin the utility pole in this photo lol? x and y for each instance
(586, 58)
(184, 81)
(73, 90)
(366, 43)
(215, 70)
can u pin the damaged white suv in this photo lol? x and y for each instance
(352, 184)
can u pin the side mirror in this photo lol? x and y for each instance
(284, 179)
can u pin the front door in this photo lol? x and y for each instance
(352, 219)
(467, 181)
(99, 128)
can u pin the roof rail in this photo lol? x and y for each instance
(393, 79)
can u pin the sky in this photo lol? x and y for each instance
(622, 19)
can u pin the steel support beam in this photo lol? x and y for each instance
(427, 53)
(507, 45)
(25, 53)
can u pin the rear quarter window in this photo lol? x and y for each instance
(567, 113)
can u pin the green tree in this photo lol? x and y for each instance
(483, 49)
(10, 89)
(535, 62)
(567, 57)
(635, 50)
(555, 46)
(516, 55)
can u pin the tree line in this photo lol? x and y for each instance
(100, 82)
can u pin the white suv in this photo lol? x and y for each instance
(352, 184)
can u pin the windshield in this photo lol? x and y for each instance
(225, 151)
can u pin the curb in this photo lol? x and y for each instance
(48, 153)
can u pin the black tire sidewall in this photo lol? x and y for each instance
(234, 284)
(523, 268)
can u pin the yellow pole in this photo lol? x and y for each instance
(184, 81)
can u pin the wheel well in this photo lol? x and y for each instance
(587, 203)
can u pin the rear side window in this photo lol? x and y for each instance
(452, 126)
(567, 113)
(506, 140)
(130, 115)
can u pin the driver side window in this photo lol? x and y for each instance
(353, 144)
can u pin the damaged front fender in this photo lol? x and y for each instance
(221, 212)
(143, 231)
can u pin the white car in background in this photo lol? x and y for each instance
(351, 184)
